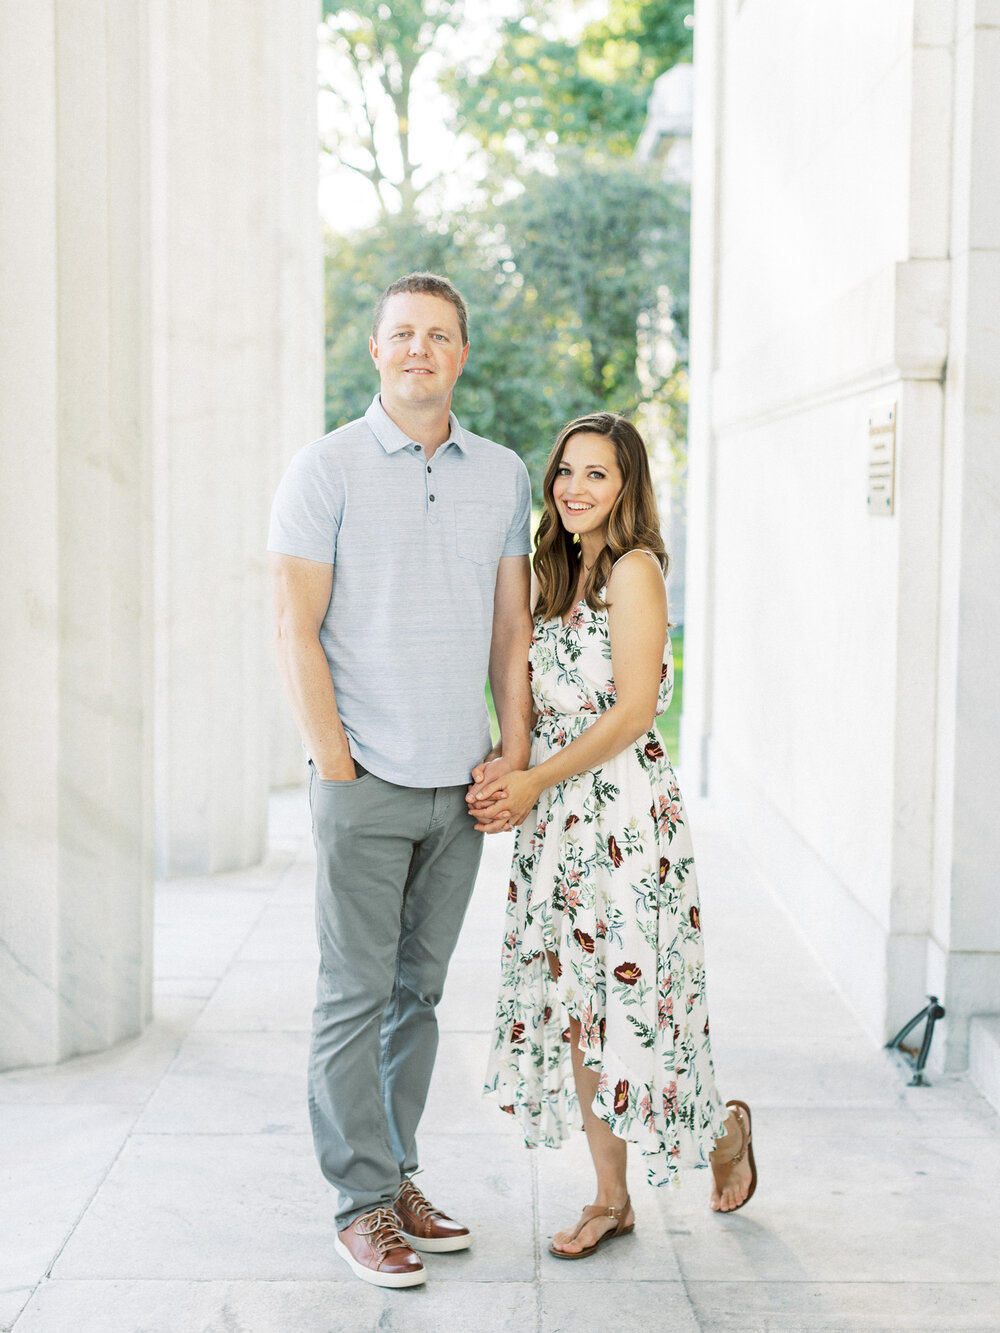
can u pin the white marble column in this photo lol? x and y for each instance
(238, 378)
(75, 756)
(298, 327)
(700, 592)
(964, 949)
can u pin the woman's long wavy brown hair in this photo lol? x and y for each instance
(633, 521)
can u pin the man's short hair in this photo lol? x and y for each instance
(434, 285)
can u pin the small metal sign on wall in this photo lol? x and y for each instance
(881, 459)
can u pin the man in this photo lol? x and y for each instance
(399, 552)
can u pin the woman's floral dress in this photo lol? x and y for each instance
(603, 876)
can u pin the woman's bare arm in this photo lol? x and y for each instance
(637, 627)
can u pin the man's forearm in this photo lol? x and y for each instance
(512, 695)
(305, 674)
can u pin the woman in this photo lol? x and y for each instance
(602, 966)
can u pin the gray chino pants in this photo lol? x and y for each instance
(395, 871)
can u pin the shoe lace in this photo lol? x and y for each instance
(415, 1202)
(381, 1226)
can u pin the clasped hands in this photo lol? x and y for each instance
(501, 797)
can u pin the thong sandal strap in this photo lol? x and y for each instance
(745, 1137)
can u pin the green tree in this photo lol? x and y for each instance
(381, 46)
(603, 245)
(541, 91)
(661, 32)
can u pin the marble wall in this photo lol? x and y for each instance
(842, 187)
(160, 359)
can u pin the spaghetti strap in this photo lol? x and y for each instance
(643, 551)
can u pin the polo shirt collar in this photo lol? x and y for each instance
(392, 438)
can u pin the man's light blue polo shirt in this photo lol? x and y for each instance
(415, 547)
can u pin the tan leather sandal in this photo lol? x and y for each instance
(746, 1150)
(589, 1213)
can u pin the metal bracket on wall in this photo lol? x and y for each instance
(916, 1059)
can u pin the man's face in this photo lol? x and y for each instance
(418, 350)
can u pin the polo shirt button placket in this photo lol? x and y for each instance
(431, 498)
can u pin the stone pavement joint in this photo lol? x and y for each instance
(169, 1185)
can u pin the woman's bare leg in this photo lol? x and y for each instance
(608, 1153)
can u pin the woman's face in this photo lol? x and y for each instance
(587, 483)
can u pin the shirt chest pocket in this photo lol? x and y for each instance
(478, 534)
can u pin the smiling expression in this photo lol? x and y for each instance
(418, 350)
(587, 483)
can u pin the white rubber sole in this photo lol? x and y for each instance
(443, 1245)
(373, 1276)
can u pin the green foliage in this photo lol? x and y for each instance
(599, 242)
(657, 30)
(541, 91)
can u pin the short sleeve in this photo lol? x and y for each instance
(307, 508)
(518, 540)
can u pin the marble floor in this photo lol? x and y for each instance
(169, 1186)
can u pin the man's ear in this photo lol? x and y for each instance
(465, 357)
(373, 349)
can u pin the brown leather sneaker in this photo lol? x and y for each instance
(375, 1250)
(426, 1227)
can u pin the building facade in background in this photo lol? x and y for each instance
(844, 502)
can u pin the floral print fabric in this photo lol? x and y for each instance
(603, 876)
